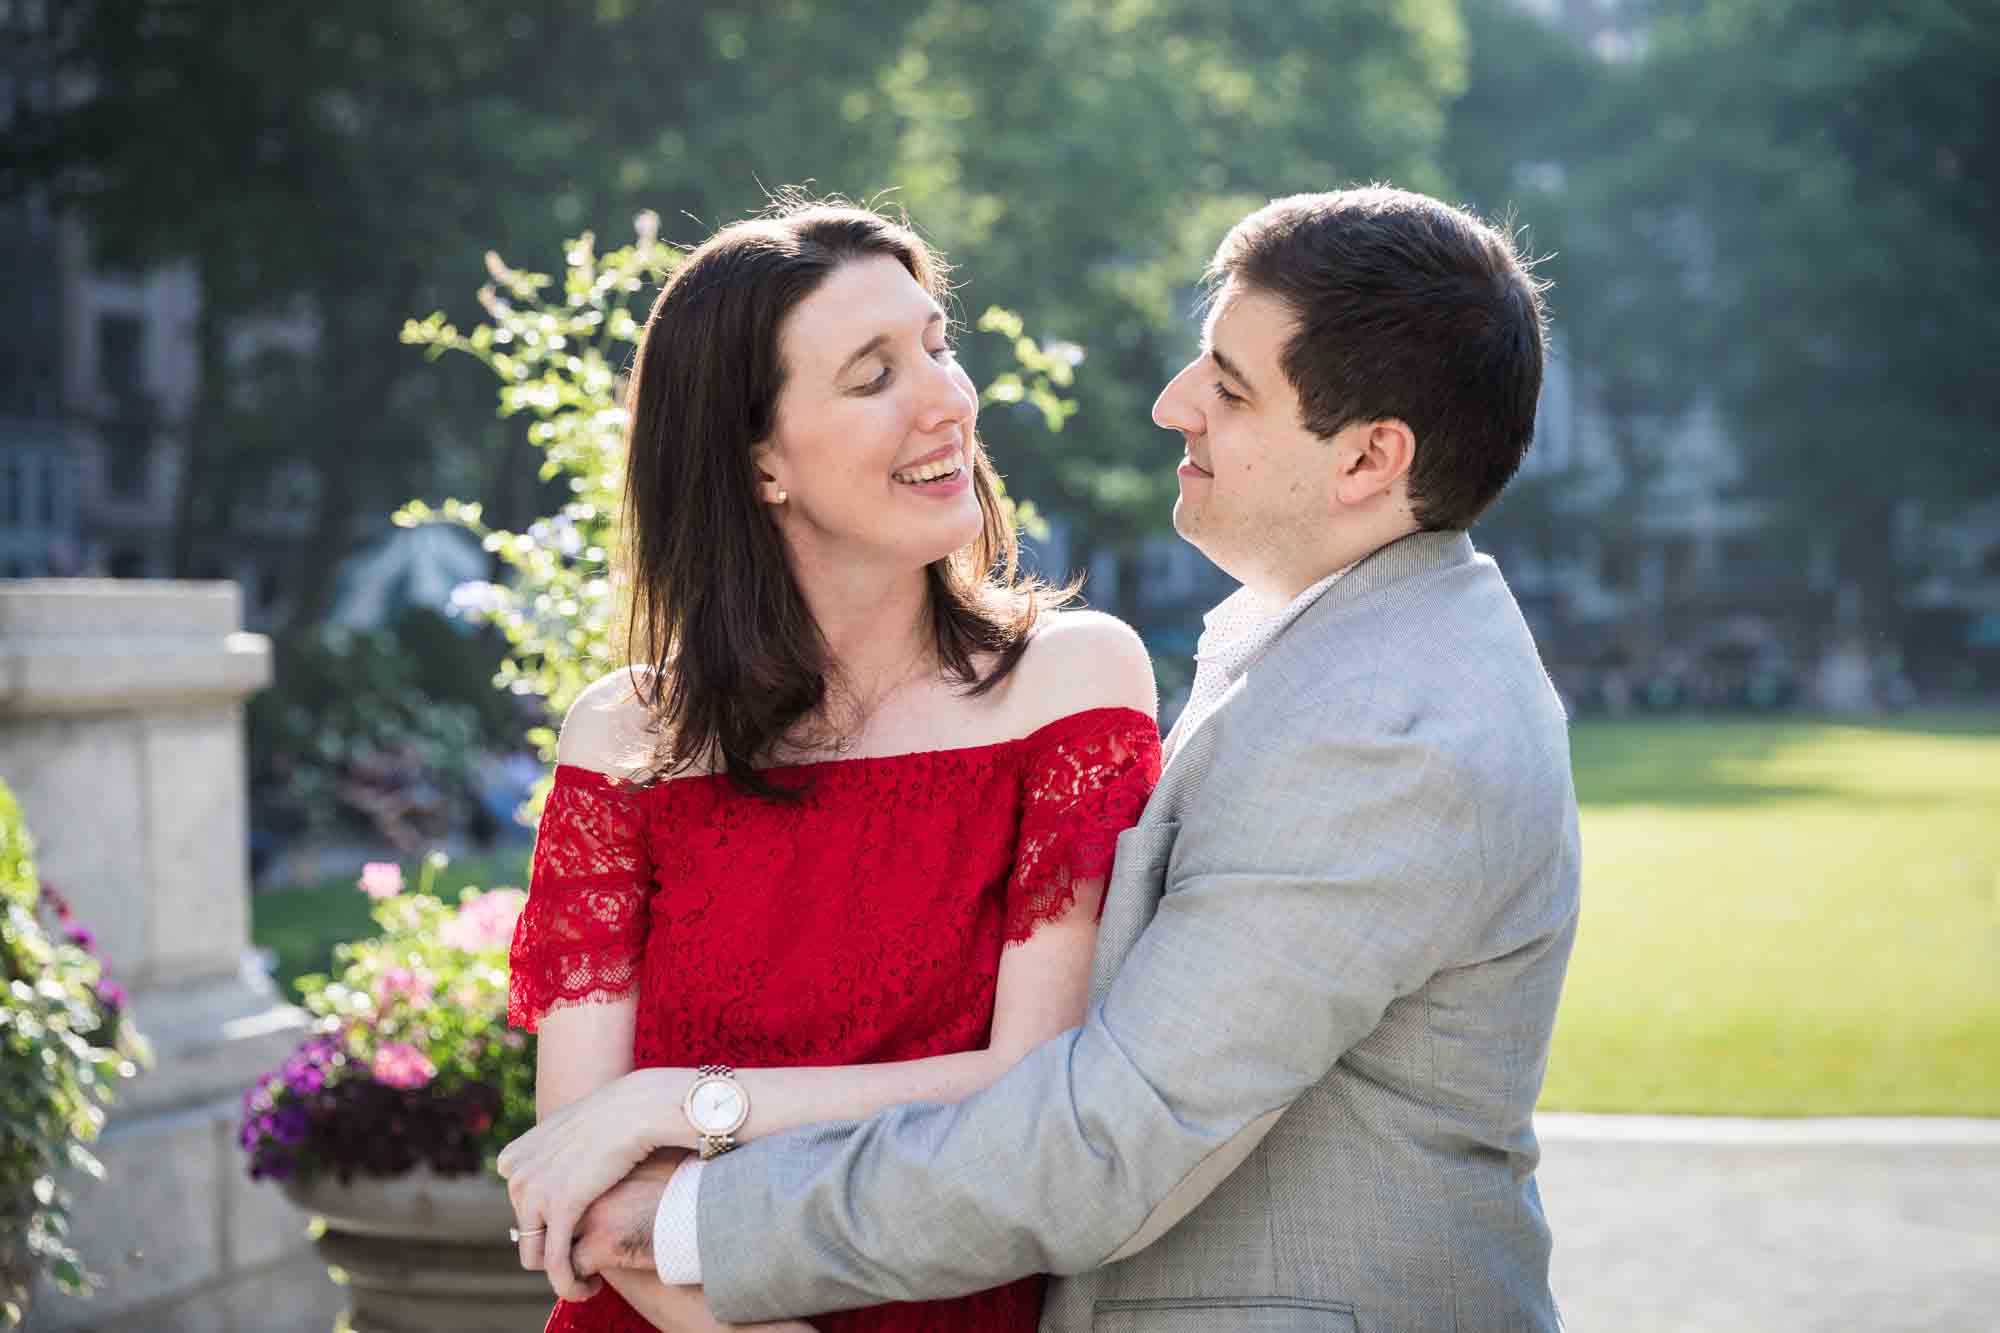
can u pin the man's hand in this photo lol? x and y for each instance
(614, 1239)
(617, 1230)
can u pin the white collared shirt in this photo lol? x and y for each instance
(1233, 636)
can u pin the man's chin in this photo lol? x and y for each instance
(1187, 522)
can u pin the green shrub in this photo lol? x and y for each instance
(65, 1042)
(379, 731)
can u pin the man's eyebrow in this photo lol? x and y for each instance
(876, 344)
(1231, 369)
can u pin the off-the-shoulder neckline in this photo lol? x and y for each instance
(583, 773)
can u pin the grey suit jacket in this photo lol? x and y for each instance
(1302, 1096)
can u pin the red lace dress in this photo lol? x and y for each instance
(862, 925)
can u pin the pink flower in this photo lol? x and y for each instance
(381, 879)
(401, 1065)
(401, 981)
(485, 922)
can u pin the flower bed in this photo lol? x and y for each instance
(412, 1063)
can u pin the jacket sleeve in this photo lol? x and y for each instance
(1318, 878)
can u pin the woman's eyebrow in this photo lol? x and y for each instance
(868, 348)
(876, 344)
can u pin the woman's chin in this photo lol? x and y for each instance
(951, 540)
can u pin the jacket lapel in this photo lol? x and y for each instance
(1139, 874)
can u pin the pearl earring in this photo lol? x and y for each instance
(782, 497)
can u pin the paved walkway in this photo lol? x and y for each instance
(1687, 1223)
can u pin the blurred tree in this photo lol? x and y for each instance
(1819, 181)
(342, 167)
(321, 165)
(1537, 144)
(336, 168)
(1084, 158)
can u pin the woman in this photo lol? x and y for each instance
(874, 784)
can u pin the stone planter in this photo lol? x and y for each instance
(426, 1253)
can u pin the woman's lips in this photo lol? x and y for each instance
(952, 483)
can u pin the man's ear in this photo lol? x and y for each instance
(1374, 458)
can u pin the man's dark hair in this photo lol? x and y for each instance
(1407, 308)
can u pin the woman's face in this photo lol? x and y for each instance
(874, 426)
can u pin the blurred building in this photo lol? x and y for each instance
(98, 380)
(1660, 580)
(99, 377)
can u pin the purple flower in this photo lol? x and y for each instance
(258, 1095)
(305, 1080)
(272, 1168)
(81, 937)
(112, 995)
(289, 1126)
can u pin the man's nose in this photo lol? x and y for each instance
(1176, 409)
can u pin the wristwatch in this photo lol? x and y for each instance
(716, 1106)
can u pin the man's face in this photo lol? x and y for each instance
(1256, 487)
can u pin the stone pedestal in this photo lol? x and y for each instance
(121, 731)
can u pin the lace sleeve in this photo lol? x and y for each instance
(1086, 780)
(582, 935)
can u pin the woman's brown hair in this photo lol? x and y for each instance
(737, 661)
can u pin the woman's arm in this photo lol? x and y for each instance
(1041, 990)
(582, 1048)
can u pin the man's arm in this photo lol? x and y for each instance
(1319, 878)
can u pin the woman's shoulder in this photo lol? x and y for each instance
(1078, 661)
(605, 728)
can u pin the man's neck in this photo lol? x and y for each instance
(1277, 591)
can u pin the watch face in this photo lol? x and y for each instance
(716, 1106)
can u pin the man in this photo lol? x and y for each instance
(1332, 948)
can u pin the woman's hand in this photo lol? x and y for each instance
(560, 1167)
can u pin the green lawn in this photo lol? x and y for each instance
(302, 924)
(1786, 918)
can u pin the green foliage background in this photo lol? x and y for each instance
(1776, 208)
(1077, 160)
